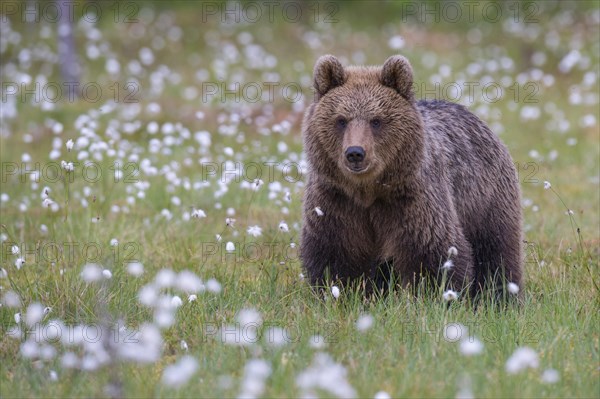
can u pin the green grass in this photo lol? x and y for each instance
(405, 352)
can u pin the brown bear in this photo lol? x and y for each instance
(423, 187)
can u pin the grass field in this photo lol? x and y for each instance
(183, 110)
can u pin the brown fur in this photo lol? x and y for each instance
(433, 176)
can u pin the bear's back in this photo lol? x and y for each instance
(477, 164)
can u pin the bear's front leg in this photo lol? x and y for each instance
(430, 243)
(336, 240)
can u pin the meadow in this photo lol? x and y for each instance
(150, 224)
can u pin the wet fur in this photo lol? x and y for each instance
(438, 177)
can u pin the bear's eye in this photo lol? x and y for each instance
(375, 123)
(341, 122)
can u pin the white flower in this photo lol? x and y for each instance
(317, 342)
(471, 346)
(165, 278)
(318, 211)
(70, 144)
(34, 314)
(450, 295)
(198, 213)
(335, 291)
(254, 231)
(183, 345)
(448, 264)
(179, 373)
(513, 288)
(17, 317)
(230, 247)
(454, 332)
(114, 242)
(192, 298)
(107, 274)
(382, 395)
(326, 375)
(522, 359)
(15, 249)
(213, 286)
(276, 337)
(364, 322)
(136, 269)
(550, 376)
(287, 197)
(547, 185)
(53, 375)
(283, 227)
(68, 166)
(257, 184)
(230, 222)
(20, 262)
(248, 317)
(188, 282)
(176, 301)
(452, 251)
(91, 272)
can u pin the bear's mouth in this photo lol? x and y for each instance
(356, 169)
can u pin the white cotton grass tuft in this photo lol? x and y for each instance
(136, 269)
(165, 278)
(513, 288)
(34, 314)
(230, 247)
(19, 263)
(198, 213)
(178, 374)
(276, 337)
(107, 274)
(550, 376)
(213, 286)
(11, 299)
(454, 332)
(91, 273)
(256, 372)
(249, 317)
(317, 342)
(471, 346)
(326, 375)
(382, 395)
(364, 322)
(335, 291)
(254, 231)
(448, 264)
(547, 185)
(283, 227)
(176, 301)
(319, 212)
(452, 251)
(188, 282)
(521, 359)
(450, 295)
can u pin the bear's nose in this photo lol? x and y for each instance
(355, 154)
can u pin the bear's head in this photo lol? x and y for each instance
(363, 126)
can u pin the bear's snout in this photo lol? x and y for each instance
(355, 154)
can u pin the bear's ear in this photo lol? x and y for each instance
(397, 74)
(328, 74)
